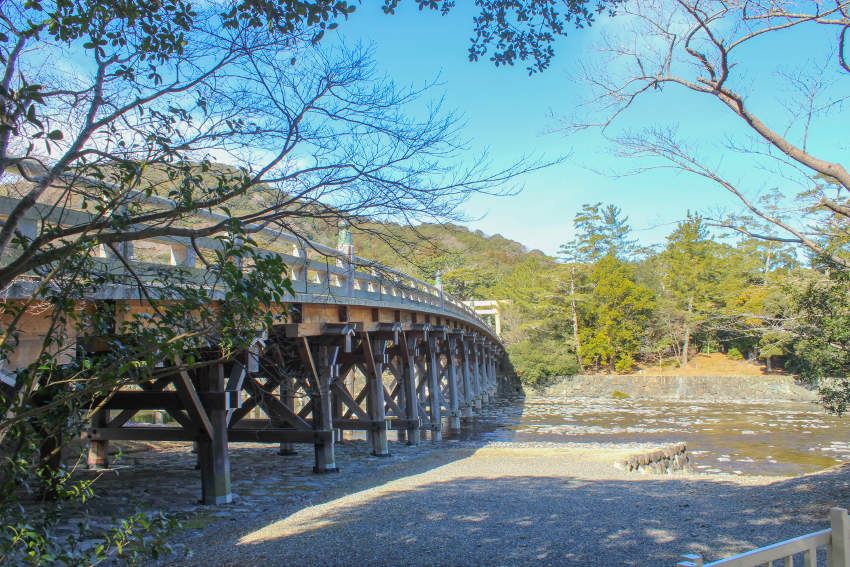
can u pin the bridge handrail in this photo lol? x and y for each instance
(836, 539)
(331, 279)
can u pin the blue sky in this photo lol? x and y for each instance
(509, 114)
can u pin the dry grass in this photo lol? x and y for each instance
(715, 364)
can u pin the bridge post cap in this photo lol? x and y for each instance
(440, 330)
(340, 328)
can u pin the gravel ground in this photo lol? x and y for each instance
(515, 504)
(477, 500)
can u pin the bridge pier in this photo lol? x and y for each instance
(410, 347)
(468, 393)
(451, 371)
(434, 388)
(375, 354)
(98, 453)
(287, 398)
(476, 374)
(213, 456)
(323, 411)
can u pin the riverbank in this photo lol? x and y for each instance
(528, 481)
(688, 388)
(516, 504)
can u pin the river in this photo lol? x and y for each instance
(769, 438)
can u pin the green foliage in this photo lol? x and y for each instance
(734, 354)
(133, 540)
(615, 316)
(536, 362)
(822, 302)
(600, 231)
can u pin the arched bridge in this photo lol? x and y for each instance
(364, 348)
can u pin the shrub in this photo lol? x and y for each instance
(537, 361)
(618, 395)
(735, 354)
(625, 363)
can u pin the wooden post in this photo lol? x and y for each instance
(434, 389)
(97, 456)
(491, 376)
(451, 367)
(336, 406)
(839, 546)
(411, 400)
(401, 434)
(374, 352)
(476, 374)
(287, 398)
(322, 410)
(493, 371)
(212, 451)
(468, 394)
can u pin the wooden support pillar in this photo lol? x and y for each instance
(493, 375)
(401, 434)
(468, 394)
(374, 353)
(476, 374)
(287, 398)
(411, 399)
(212, 450)
(485, 371)
(451, 370)
(325, 372)
(336, 406)
(98, 453)
(434, 389)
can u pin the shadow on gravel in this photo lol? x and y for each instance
(525, 520)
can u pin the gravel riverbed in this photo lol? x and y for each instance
(484, 498)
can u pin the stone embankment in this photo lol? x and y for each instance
(706, 388)
(665, 460)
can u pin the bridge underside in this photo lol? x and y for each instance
(334, 368)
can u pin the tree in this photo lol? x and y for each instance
(602, 230)
(617, 312)
(689, 283)
(704, 48)
(174, 120)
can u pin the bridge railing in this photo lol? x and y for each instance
(835, 539)
(319, 273)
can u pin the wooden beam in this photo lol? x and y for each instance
(189, 397)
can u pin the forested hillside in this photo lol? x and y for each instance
(608, 305)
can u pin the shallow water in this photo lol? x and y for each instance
(785, 438)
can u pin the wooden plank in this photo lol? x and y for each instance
(140, 433)
(360, 424)
(279, 435)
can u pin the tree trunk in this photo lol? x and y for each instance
(575, 318)
(687, 345)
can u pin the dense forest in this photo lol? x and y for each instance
(607, 304)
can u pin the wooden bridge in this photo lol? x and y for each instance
(363, 348)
